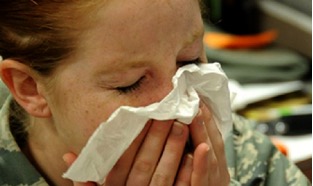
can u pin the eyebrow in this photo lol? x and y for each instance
(196, 33)
(203, 8)
(198, 30)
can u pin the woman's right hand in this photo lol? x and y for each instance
(152, 159)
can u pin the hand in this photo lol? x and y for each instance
(209, 164)
(69, 159)
(152, 159)
(155, 155)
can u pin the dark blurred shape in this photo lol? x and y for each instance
(288, 125)
(234, 16)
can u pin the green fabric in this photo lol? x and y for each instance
(4, 92)
(252, 159)
(15, 169)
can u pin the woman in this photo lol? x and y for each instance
(70, 64)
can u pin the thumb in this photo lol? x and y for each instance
(69, 159)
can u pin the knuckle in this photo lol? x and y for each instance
(161, 180)
(220, 145)
(143, 166)
(214, 163)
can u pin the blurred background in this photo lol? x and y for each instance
(265, 48)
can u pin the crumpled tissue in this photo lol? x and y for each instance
(114, 136)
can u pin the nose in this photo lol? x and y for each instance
(165, 85)
(163, 75)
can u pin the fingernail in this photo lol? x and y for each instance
(207, 149)
(201, 104)
(188, 160)
(201, 122)
(64, 158)
(199, 118)
(177, 128)
(199, 112)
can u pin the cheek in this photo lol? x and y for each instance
(76, 114)
(78, 108)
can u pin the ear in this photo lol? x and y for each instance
(24, 85)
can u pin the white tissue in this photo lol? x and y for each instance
(113, 137)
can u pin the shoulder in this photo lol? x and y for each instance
(15, 169)
(245, 137)
(248, 152)
(253, 159)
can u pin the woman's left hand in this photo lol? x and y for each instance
(209, 164)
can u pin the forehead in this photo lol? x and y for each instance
(140, 27)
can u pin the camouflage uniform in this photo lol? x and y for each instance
(252, 159)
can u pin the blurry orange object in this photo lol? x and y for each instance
(222, 40)
(280, 146)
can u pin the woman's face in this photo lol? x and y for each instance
(128, 58)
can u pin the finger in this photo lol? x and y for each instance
(149, 153)
(215, 137)
(119, 173)
(204, 160)
(198, 130)
(212, 130)
(167, 167)
(204, 155)
(184, 174)
(69, 159)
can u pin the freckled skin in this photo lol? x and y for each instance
(150, 47)
(145, 41)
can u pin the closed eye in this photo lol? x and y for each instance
(131, 88)
(196, 61)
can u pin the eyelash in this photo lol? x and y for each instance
(137, 84)
(130, 88)
(196, 61)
